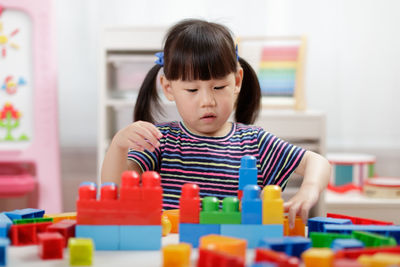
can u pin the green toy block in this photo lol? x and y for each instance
(80, 251)
(324, 240)
(229, 214)
(374, 240)
(32, 220)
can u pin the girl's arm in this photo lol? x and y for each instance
(139, 135)
(316, 171)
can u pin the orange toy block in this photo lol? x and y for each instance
(229, 245)
(173, 216)
(272, 205)
(176, 255)
(166, 225)
(318, 257)
(61, 216)
(299, 228)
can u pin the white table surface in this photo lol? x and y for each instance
(29, 256)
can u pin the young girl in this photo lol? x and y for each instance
(207, 80)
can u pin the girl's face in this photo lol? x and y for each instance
(205, 106)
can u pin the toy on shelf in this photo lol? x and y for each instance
(130, 222)
(382, 187)
(29, 145)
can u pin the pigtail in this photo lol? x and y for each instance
(148, 101)
(249, 100)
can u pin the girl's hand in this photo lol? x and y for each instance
(139, 136)
(301, 203)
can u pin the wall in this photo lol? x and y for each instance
(352, 70)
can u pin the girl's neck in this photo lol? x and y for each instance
(221, 133)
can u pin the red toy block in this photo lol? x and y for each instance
(189, 204)
(354, 253)
(358, 220)
(280, 258)
(346, 263)
(65, 227)
(212, 258)
(26, 234)
(137, 205)
(51, 245)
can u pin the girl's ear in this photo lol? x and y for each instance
(166, 86)
(238, 80)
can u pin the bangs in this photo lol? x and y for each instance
(200, 54)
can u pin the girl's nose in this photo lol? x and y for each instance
(207, 98)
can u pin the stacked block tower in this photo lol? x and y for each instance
(131, 221)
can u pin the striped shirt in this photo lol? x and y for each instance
(213, 162)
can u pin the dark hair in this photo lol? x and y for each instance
(200, 50)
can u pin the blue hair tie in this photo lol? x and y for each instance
(160, 58)
(237, 52)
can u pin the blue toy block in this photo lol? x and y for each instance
(339, 243)
(385, 230)
(24, 214)
(248, 171)
(316, 224)
(291, 245)
(191, 233)
(140, 237)
(5, 225)
(251, 205)
(105, 237)
(4, 242)
(252, 233)
(263, 264)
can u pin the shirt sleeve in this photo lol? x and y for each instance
(148, 161)
(278, 159)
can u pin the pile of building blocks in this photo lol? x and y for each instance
(131, 221)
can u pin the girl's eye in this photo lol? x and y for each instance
(219, 87)
(191, 90)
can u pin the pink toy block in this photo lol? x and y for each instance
(51, 245)
(39, 154)
(137, 205)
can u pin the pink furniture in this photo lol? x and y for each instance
(31, 164)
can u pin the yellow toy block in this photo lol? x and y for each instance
(80, 251)
(299, 228)
(318, 257)
(229, 245)
(61, 216)
(166, 225)
(176, 255)
(272, 205)
(379, 260)
(173, 216)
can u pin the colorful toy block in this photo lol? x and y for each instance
(251, 205)
(386, 230)
(324, 240)
(61, 216)
(253, 233)
(80, 251)
(291, 245)
(210, 214)
(339, 243)
(4, 243)
(105, 237)
(358, 220)
(65, 227)
(272, 205)
(51, 245)
(247, 172)
(5, 224)
(318, 257)
(380, 259)
(212, 258)
(316, 224)
(140, 237)
(26, 234)
(173, 216)
(232, 246)
(176, 255)
(374, 240)
(354, 253)
(25, 214)
(137, 205)
(299, 228)
(191, 233)
(189, 204)
(279, 258)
